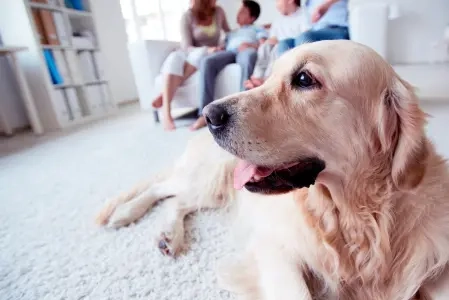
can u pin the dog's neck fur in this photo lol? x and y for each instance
(365, 247)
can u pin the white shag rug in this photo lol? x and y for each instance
(51, 188)
(50, 191)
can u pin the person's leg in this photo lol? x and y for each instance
(328, 33)
(173, 70)
(172, 82)
(263, 58)
(273, 57)
(262, 63)
(192, 62)
(246, 59)
(285, 45)
(210, 66)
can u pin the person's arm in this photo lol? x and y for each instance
(224, 21)
(186, 31)
(261, 34)
(330, 2)
(272, 39)
(322, 9)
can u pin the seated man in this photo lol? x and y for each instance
(329, 21)
(241, 47)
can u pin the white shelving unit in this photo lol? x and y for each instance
(84, 93)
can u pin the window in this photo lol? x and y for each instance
(153, 19)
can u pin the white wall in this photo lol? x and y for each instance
(411, 37)
(113, 42)
(419, 26)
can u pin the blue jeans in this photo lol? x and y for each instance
(310, 36)
(212, 64)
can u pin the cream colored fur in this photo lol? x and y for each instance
(376, 223)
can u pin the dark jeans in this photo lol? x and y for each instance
(212, 65)
(309, 36)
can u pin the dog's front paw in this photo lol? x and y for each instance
(120, 217)
(169, 244)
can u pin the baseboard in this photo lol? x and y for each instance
(128, 102)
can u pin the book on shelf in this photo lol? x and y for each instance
(60, 105)
(51, 25)
(56, 77)
(48, 22)
(75, 4)
(61, 29)
(72, 99)
(39, 26)
(99, 65)
(87, 67)
(68, 4)
(51, 2)
(61, 65)
(74, 66)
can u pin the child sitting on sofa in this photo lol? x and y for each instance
(240, 46)
(287, 26)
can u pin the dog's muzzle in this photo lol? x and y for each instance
(216, 116)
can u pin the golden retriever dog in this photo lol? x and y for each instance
(341, 192)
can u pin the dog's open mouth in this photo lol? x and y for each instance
(275, 180)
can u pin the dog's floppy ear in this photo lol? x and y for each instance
(401, 133)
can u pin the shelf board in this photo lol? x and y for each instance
(86, 48)
(101, 81)
(56, 47)
(45, 6)
(59, 47)
(9, 49)
(77, 13)
(66, 85)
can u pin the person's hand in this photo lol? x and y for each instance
(211, 50)
(320, 11)
(245, 46)
(272, 41)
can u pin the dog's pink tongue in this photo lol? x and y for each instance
(244, 171)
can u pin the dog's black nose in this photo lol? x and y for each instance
(216, 116)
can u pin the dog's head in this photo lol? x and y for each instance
(326, 105)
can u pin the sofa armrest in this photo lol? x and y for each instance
(146, 59)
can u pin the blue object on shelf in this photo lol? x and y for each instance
(68, 3)
(56, 77)
(77, 4)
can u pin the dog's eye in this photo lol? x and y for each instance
(303, 80)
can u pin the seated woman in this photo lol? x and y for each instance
(201, 27)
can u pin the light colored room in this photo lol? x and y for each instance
(80, 123)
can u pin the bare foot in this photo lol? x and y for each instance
(199, 123)
(248, 84)
(157, 102)
(169, 124)
(257, 81)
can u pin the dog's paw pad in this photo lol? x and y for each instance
(165, 246)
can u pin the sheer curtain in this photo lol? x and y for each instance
(153, 19)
